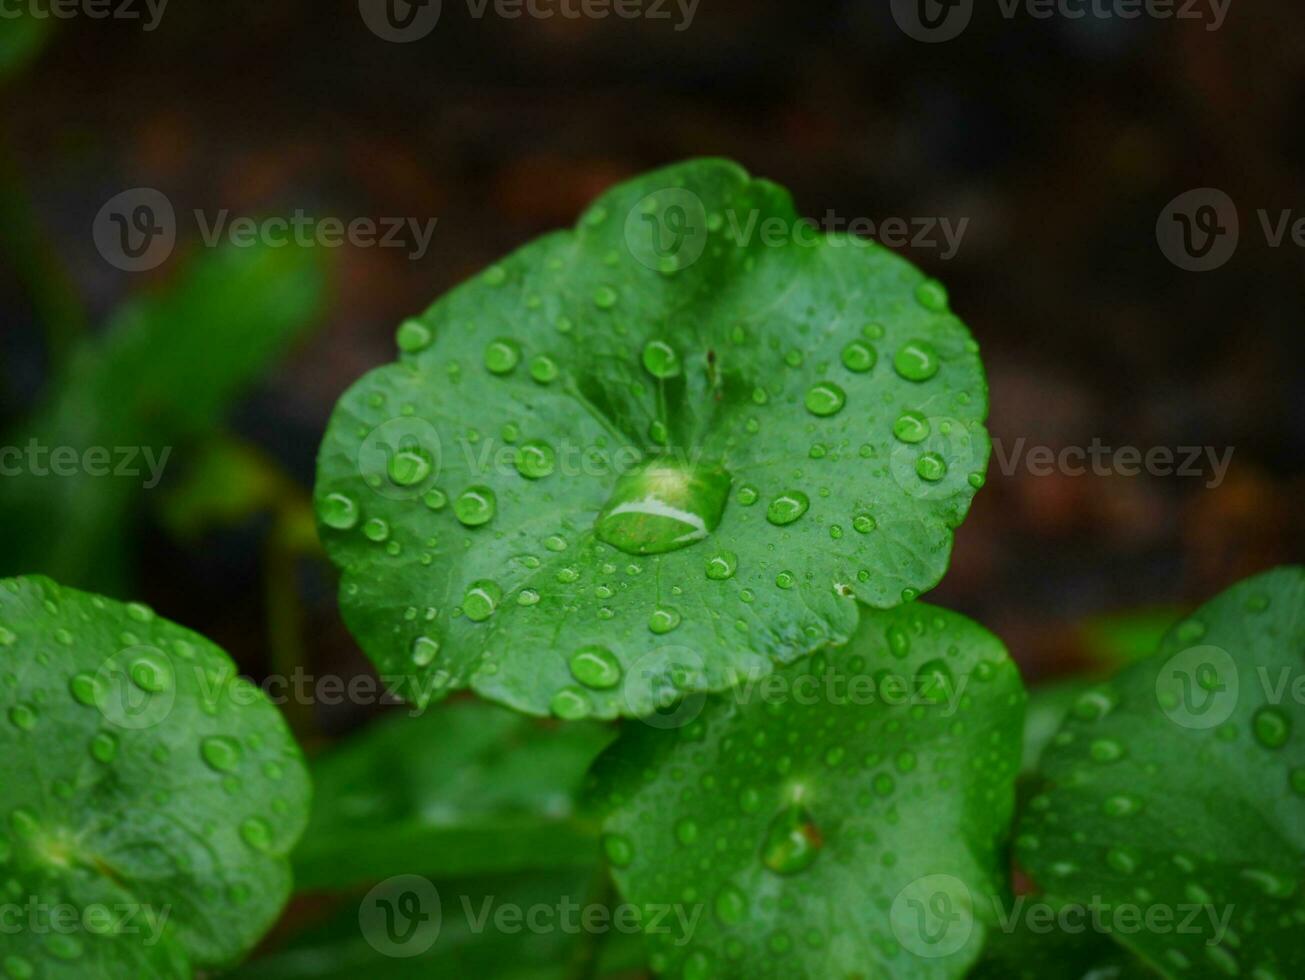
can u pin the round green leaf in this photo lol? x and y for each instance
(149, 796)
(1177, 791)
(840, 818)
(673, 428)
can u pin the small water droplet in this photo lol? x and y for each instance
(916, 360)
(502, 356)
(413, 336)
(663, 620)
(475, 506)
(481, 599)
(931, 467)
(618, 849)
(787, 507)
(23, 717)
(661, 360)
(731, 905)
(570, 704)
(596, 667)
(435, 499)
(863, 523)
(338, 511)
(859, 357)
(911, 427)
(544, 369)
(535, 459)
(409, 465)
(1272, 727)
(151, 674)
(792, 841)
(825, 399)
(605, 297)
(257, 834)
(377, 529)
(932, 295)
(722, 565)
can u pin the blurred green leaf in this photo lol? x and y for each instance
(1021, 953)
(465, 789)
(21, 38)
(161, 376)
(470, 942)
(1116, 639)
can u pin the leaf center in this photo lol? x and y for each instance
(662, 506)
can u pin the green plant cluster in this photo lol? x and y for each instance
(651, 470)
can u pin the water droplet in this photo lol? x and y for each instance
(863, 523)
(658, 507)
(825, 399)
(686, 831)
(605, 297)
(931, 467)
(18, 968)
(731, 905)
(1106, 750)
(544, 369)
(785, 579)
(435, 499)
(916, 360)
(935, 682)
(859, 357)
(698, 966)
(220, 753)
(495, 275)
(413, 336)
(722, 565)
(1121, 805)
(85, 689)
(409, 466)
(151, 674)
(747, 495)
(570, 704)
(618, 850)
(7, 637)
(528, 597)
(911, 427)
(535, 459)
(481, 599)
(502, 356)
(475, 506)
(596, 667)
(932, 295)
(661, 360)
(23, 716)
(377, 530)
(1272, 727)
(792, 841)
(257, 834)
(787, 507)
(663, 620)
(338, 511)
(1121, 860)
(424, 650)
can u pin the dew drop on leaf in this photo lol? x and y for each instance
(618, 850)
(338, 511)
(722, 565)
(481, 599)
(859, 357)
(596, 667)
(502, 356)
(661, 360)
(931, 467)
(663, 620)
(257, 834)
(409, 466)
(825, 399)
(413, 336)
(535, 459)
(916, 360)
(911, 427)
(569, 704)
(1271, 726)
(787, 507)
(658, 507)
(475, 506)
(220, 753)
(792, 841)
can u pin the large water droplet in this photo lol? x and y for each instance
(792, 841)
(409, 466)
(659, 507)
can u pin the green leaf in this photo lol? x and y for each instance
(1051, 953)
(843, 818)
(1178, 788)
(165, 371)
(22, 37)
(600, 457)
(141, 777)
(482, 932)
(466, 789)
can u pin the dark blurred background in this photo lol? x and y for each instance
(1061, 141)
